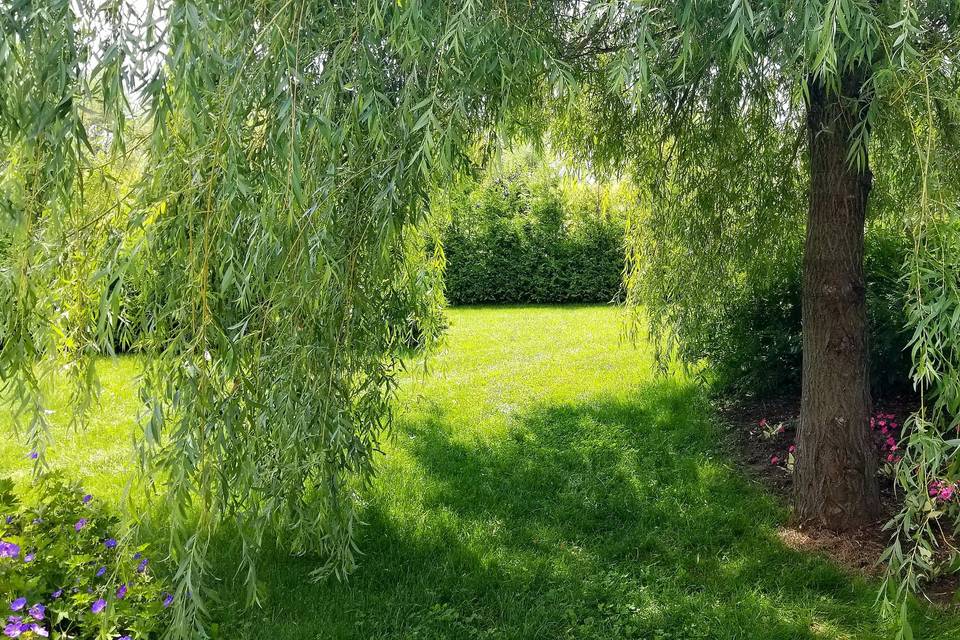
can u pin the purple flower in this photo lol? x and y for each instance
(122, 591)
(137, 555)
(167, 600)
(56, 594)
(18, 604)
(143, 565)
(29, 557)
(81, 523)
(12, 630)
(37, 611)
(87, 498)
(9, 549)
(98, 606)
(101, 571)
(9, 519)
(40, 631)
(124, 638)
(33, 455)
(110, 543)
(37, 520)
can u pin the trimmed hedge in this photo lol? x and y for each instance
(522, 236)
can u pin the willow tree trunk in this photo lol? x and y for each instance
(835, 475)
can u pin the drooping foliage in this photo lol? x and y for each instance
(291, 148)
(704, 104)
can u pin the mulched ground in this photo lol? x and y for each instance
(761, 434)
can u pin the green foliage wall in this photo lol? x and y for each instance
(523, 234)
(754, 345)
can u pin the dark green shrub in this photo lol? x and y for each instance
(756, 348)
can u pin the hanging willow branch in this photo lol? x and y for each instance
(290, 148)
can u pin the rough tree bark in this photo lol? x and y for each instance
(835, 481)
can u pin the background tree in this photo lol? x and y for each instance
(527, 231)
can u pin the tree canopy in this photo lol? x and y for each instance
(291, 149)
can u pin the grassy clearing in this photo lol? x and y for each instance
(540, 483)
(100, 455)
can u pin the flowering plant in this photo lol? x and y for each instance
(887, 434)
(67, 572)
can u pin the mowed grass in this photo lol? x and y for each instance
(541, 482)
(100, 455)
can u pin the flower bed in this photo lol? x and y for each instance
(66, 570)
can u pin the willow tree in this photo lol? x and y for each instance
(749, 123)
(292, 148)
(713, 104)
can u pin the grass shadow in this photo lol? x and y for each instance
(605, 518)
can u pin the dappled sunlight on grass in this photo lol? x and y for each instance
(564, 495)
(541, 482)
(589, 520)
(100, 455)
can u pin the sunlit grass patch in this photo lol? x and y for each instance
(540, 482)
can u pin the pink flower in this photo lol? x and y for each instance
(934, 487)
(763, 422)
(884, 431)
(946, 493)
(889, 457)
(774, 459)
(891, 442)
(792, 448)
(893, 424)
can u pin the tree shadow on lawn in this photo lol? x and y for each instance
(609, 518)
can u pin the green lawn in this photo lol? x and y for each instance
(541, 482)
